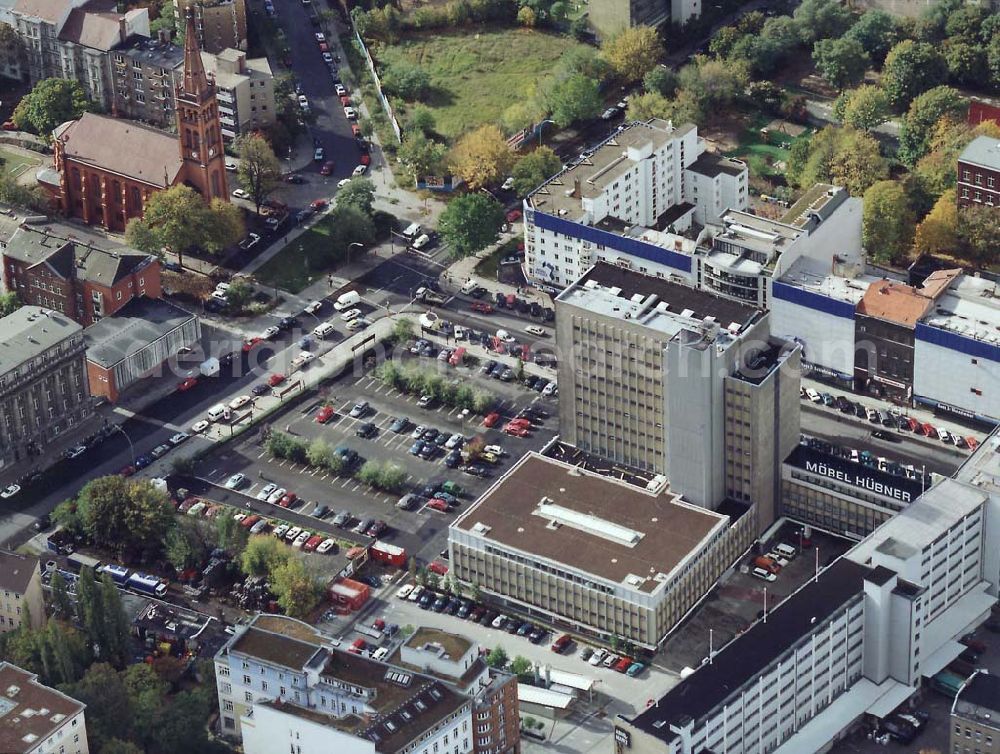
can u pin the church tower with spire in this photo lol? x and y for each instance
(198, 127)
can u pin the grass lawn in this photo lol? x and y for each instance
(488, 267)
(476, 76)
(763, 155)
(15, 163)
(299, 264)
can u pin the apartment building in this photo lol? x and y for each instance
(594, 554)
(38, 23)
(37, 719)
(629, 194)
(975, 716)
(856, 640)
(146, 73)
(457, 661)
(43, 383)
(83, 276)
(282, 685)
(979, 173)
(219, 24)
(20, 591)
(245, 90)
(667, 378)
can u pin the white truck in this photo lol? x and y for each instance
(346, 300)
(209, 367)
(428, 296)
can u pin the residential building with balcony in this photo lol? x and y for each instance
(37, 719)
(43, 383)
(145, 73)
(219, 24)
(20, 592)
(245, 91)
(979, 173)
(282, 684)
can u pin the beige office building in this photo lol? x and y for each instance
(594, 554)
(20, 591)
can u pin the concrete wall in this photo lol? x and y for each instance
(946, 375)
(826, 339)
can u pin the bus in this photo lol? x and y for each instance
(118, 573)
(78, 561)
(145, 583)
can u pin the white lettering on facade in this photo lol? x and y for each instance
(857, 480)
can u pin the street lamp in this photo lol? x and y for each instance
(540, 128)
(355, 243)
(131, 447)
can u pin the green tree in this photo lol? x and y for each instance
(50, 103)
(842, 156)
(239, 294)
(632, 53)
(62, 605)
(184, 545)
(877, 31)
(470, 223)
(406, 80)
(864, 108)
(115, 624)
(178, 219)
(887, 223)
(421, 119)
(358, 193)
(319, 453)
(924, 112)
(109, 707)
(723, 42)
(534, 169)
(821, 19)
(147, 692)
(572, 99)
(475, 592)
(497, 658)
(911, 68)
(117, 745)
(124, 516)
(935, 171)
(993, 58)
(660, 80)
(712, 84)
(182, 726)
(296, 590)
(422, 155)
(12, 50)
(349, 225)
(648, 105)
(403, 329)
(527, 17)
(939, 231)
(230, 536)
(9, 303)
(979, 227)
(966, 63)
(19, 194)
(842, 62)
(521, 667)
(262, 556)
(258, 170)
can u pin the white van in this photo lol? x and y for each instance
(381, 653)
(323, 330)
(412, 231)
(786, 551)
(470, 286)
(347, 300)
(216, 412)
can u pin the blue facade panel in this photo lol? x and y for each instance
(811, 300)
(979, 349)
(631, 246)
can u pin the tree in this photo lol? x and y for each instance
(534, 169)
(520, 666)
(966, 63)
(497, 658)
(124, 516)
(421, 119)
(182, 725)
(422, 155)
(842, 62)
(864, 108)
(911, 68)
(319, 453)
(939, 231)
(842, 156)
(117, 745)
(527, 17)
(660, 80)
(936, 170)
(184, 545)
(470, 223)
(115, 628)
(258, 170)
(979, 226)
(9, 303)
(877, 31)
(263, 555)
(821, 19)
(712, 84)
(11, 47)
(475, 592)
(62, 606)
(358, 193)
(886, 223)
(649, 105)
(921, 118)
(230, 536)
(109, 706)
(239, 294)
(993, 58)
(402, 329)
(178, 219)
(724, 40)
(18, 194)
(632, 53)
(574, 98)
(297, 591)
(482, 157)
(406, 80)
(147, 691)
(49, 103)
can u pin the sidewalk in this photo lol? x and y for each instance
(463, 269)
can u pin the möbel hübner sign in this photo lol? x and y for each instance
(858, 479)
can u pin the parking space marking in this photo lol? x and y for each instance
(261, 454)
(253, 487)
(346, 482)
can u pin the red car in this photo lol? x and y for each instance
(514, 215)
(516, 431)
(928, 430)
(345, 100)
(972, 442)
(379, 624)
(622, 665)
(481, 307)
(323, 47)
(249, 521)
(356, 130)
(287, 499)
(519, 422)
(439, 568)
(126, 471)
(324, 415)
(250, 343)
(317, 204)
(313, 542)
(438, 504)
(276, 379)
(357, 646)
(9, 125)
(365, 159)
(491, 419)
(327, 168)
(187, 384)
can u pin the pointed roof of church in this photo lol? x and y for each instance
(196, 83)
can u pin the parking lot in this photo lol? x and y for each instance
(422, 531)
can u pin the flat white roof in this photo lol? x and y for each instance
(815, 276)
(545, 697)
(970, 307)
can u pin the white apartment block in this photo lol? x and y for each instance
(283, 686)
(245, 91)
(857, 639)
(36, 719)
(647, 178)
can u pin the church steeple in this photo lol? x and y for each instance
(196, 82)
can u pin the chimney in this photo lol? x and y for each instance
(163, 35)
(576, 188)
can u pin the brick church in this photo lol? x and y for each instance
(107, 168)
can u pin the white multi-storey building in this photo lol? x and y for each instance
(857, 639)
(284, 686)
